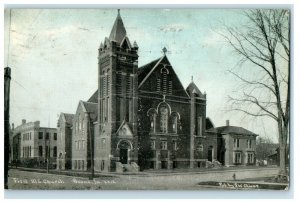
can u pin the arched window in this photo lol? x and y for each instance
(152, 122)
(174, 124)
(164, 119)
(152, 113)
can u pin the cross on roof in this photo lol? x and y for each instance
(164, 50)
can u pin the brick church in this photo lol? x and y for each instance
(146, 118)
(141, 117)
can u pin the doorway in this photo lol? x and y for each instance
(124, 156)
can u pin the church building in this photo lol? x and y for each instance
(146, 118)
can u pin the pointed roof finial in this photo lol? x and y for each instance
(192, 79)
(118, 31)
(164, 50)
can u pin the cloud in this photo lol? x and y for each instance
(172, 28)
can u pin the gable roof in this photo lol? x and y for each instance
(91, 108)
(144, 70)
(152, 65)
(234, 130)
(124, 125)
(118, 31)
(192, 88)
(209, 123)
(69, 118)
(94, 97)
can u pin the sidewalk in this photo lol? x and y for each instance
(161, 172)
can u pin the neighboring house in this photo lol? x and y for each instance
(64, 144)
(237, 146)
(82, 131)
(34, 145)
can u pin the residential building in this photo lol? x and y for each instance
(34, 145)
(237, 146)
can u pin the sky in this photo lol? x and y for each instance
(53, 57)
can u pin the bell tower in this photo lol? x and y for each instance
(117, 99)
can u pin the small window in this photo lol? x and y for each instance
(83, 144)
(174, 125)
(55, 136)
(174, 143)
(40, 135)
(75, 164)
(153, 144)
(199, 130)
(250, 158)
(47, 151)
(249, 144)
(54, 151)
(200, 147)
(40, 151)
(76, 145)
(236, 143)
(164, 145)
(237, 157)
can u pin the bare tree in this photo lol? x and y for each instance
(263, 45)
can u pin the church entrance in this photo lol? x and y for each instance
(124, 156)
(124, 147)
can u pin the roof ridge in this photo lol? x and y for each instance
(149, 62)
(89, 102)
(152, 69)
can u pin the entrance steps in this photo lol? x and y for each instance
(132, 167)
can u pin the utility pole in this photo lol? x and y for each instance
(7, 77)
(91, 146)
(48, 154)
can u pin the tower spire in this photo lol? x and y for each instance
(118, 32)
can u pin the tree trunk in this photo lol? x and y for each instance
(283, 150)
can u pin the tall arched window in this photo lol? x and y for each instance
(174, 124)
(164, 119)
(152, 122)
(152, 113)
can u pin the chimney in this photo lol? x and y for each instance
(12, 126)
(227, 122)
(23, 121)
